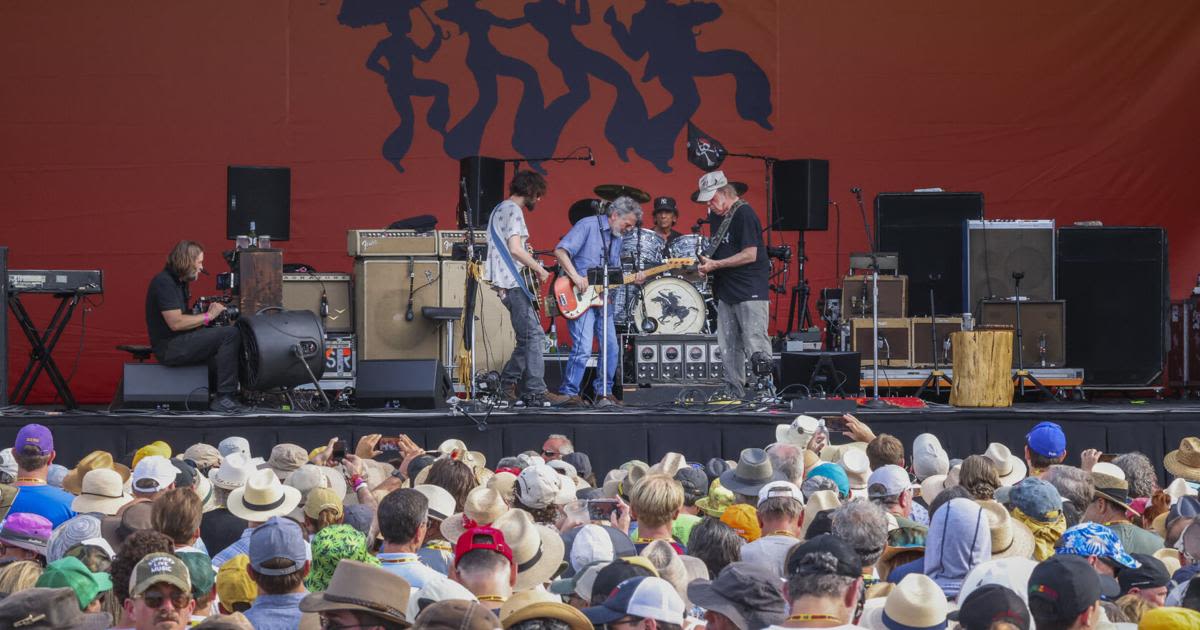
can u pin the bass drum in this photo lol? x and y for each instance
(276, 346)
(652, 246)
(674, 304)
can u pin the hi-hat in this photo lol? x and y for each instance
(609, 192)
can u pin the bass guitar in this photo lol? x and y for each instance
(572, 303)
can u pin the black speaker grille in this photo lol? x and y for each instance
(801, 191)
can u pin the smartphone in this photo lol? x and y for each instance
(601, 509)
(835, 423)
(339, 451)
(389, 444)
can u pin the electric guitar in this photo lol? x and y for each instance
(573, 303)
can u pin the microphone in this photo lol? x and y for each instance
(591, 158)
(324, 305)
(408, 311)
(205, 272)
(855, 190)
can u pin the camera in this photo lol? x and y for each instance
(227, 316)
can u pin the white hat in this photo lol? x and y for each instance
(1110, 469)
(929, 458)
(916, 602)
(888, 481)
(153, 474)
(441, 502)
(262, 497)
(233, 472)
(564, 468)
(858, 468)
(435, 591)
(103, 492)
(1009, 467)
(234, 444)
(309, 476)
(1011, 573)
(646, 597)
(538, 486)
(482, 507)
(799, 432)
(591, 544)
(1179, 488)
(708, 186)
(784, 489)
(8, 463)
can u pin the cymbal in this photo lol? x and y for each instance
(609, 192)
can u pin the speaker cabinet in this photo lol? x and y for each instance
(406, 383)
(923, 345)
(896, 349)
(1183, 361)
(926, 229)
(259, 194)
(997, 249)
(801, 190)
(1043, 336)
(494, 335)
(3, 326)
(485, 189)
(1115, 281)
(381, 293)
(857, 299)
(302, 292)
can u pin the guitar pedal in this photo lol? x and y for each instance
(672, 361)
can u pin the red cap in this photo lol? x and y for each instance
(488, 538)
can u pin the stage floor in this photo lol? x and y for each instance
(613, 436)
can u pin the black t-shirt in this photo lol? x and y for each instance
(166, 292)
(746, 282)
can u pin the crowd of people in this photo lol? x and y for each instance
(871, 533)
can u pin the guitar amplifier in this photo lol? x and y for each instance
(895, 335)
(394, 243)
(922, 333)
(856, 296)
(302, 292)
(452, 244)
(1043, 329)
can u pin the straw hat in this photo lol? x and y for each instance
(361, 587)
(1169, 557)
(1185, 461)
(820, 501)
(536, 550)
(916, 602)
(482, 507)
(670, 464)
(441, 502)
(1112, 489)
(1110, 469)
(262, 497)
(457, 449)
(858, 470)
(503, 482)
(833, 452)
(1009, 467)
(233, 472)
(73, 482)
(308, 477)
(717, 501)
(103, 491)
(933, 485)
(1010, 538)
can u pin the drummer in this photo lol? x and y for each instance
(666, 215)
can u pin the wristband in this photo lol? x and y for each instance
(205, 318)
(355, 480)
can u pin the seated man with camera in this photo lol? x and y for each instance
(179, 338)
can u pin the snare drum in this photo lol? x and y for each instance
(675, 304)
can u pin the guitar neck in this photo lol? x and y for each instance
(657, 269)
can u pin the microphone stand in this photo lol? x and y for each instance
(472, 288)
(570, 157)
(604, 384)
(936, 375)
(875, 402)
(1021, 374)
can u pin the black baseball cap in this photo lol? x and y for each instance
(989, 604)
(694, 482)
(1061, 587)
(1152, 574)
(610, 576)
(812, 557)
(665, 204)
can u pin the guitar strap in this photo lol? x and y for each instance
(502, 249)
(722, 229)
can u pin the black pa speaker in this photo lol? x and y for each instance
(259, 194)
(485, 189)
(801, 190)
(3, 326)
(997, 249)
(404, 383)
(926, 229)
(151, 385)
(1115, 283)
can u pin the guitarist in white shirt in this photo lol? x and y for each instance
(581, 250)
(507, 234)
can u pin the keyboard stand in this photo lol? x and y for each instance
(42, 345)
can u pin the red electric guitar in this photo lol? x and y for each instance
(572, 303)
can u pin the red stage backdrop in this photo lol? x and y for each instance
(118, 119)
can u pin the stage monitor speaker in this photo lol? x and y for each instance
(1043, 338)
(922, 334)
(151, 385)
(404, 383)
(303, 292)
(926, 229)
(1115, 283)
(3, 326)
(801, 189)
(485, 188)
(997, 249)
(494, 338)
(828, 372)
(381, 317)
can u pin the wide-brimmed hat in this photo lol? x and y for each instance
(286, 458)
(858, 470)
(1170, 558)
(916, 603)
(457, 449)
(677, 570)
(820, 501)
(717, 501)
(711, 182)
(1112, 489)
(798, 432)
(537, 550)
(753, 471)
(103, 491)
(528, 605)
(262, 497)
(1009, 467)
(929, 458)
(933, 485)
(359, 586)
(482, 507)
(441, 502)
(1179, 488)
(204, 456)
(1010, 537)
(833, 452)
(309, 476)
(1185, 460)
(73, 482)
(233, 472)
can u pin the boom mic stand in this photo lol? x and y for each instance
(936, 375)
(1022, 375)
(875, 402)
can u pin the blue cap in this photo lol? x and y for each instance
(834, 473)
(1047, 439)
(278, 538)
(1094, 539)
(1038, 499)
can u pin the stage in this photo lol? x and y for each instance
(611, 437)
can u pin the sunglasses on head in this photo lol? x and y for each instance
(155, 599)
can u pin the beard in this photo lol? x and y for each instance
(529, 204)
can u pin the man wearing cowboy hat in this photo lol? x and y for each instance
(1110, 508)
(361, 596)
(740, 272)
(666, 215)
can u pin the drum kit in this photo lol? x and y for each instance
(674, 303)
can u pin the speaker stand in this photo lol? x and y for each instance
(800, 292)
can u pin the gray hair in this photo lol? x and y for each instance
(812, 485)
(863, 526)
(567, 447)
(1072, 484)
(781, 507)
(1139, 472)
(789, 460)
(819, 585)
(622, 206)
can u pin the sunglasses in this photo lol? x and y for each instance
(550, 453)
(155, 599)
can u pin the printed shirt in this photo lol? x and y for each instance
(585, 244)
(508, 220)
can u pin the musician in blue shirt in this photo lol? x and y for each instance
(581, 250)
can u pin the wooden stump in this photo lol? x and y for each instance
(982, 368)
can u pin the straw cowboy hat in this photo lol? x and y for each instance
(536, 550)
(1009, 467)
(361, 587)
(858, 470)
(934, 484)
(833, 452)
(1169, 557)
(482, 507)
(1185, 460)
(1110, 469)
(670, 464)
(233, 472)
(819, 502)
(1010, 538)
(262, 497)
(103, 491)
(73, 482)
(457, 449)
(1112, 489)
(916, 602)
(798, 433)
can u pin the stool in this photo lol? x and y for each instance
(140, 353)
(445, 316)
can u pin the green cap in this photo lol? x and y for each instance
(200, 571)
(158, 568)
(71, 573)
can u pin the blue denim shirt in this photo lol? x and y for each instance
(585, 243)
(276, 612)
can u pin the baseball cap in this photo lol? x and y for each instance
(665, 204)
(887, 481)
(644, 597)
(1061, 587)
(200, 571)
(279, 537)
(784, 489)
(157, 447)
(623, 569)
(989, 604)
(1047, 439)
(811, 558)
(158, 568)
(694, 482)
(1036, 499)
(743, 519)
(581, 462)
(153, 473)
(1094, 539)
(234, 584)
(591, 544)
(834, 473)
(488, 538)
(34, 435)
(72, 573)
(26, 530)
(745, 592)
(1152, 574)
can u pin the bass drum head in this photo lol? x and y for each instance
(674, 304)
